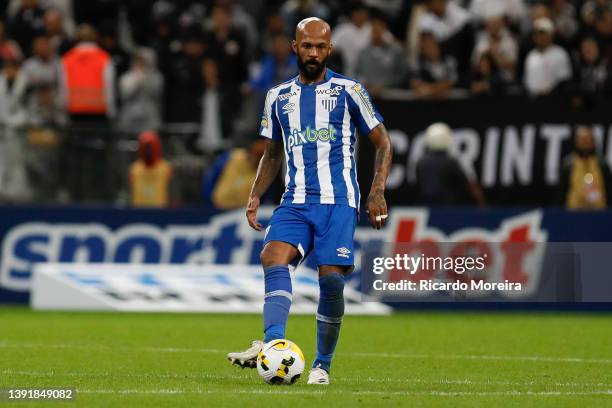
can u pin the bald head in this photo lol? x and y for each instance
(313, 46)
(313, 27)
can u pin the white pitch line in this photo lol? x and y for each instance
(484, 357)
(331, 391)
(205, 376)
(445, 381)
(110, 374)
(133, 391)
(348, 354)
(109, 348)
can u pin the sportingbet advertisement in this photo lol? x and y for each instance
(531, 248)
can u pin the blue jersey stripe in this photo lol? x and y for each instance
(309, 150)
(354, 167)
(283, 119)
(336, 156)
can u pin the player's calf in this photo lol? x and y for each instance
(329, 318)
(277, 301)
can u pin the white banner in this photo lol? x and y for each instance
(174, 288)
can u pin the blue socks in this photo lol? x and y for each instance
(329, 318)
(329, 314)
(277, 301)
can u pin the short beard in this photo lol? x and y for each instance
(309, 74)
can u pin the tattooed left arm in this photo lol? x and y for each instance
(376, 203)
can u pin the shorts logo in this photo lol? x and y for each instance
(288, 108)
(329, 103)
(343, 252)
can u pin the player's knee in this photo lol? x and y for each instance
(331, 285)
(277, 253)
(269, 257)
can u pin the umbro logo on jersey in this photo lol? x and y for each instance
(288, 108)
(343, 252)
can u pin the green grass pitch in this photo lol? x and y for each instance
(410, 359)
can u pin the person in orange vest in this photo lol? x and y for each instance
(88, 80)
(150, 176)
(87, 93)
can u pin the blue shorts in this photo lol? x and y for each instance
(325, 229)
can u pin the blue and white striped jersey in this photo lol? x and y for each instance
(317, 125)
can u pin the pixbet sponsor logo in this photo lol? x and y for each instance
(309, 135)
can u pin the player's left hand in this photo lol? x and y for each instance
(377, 209)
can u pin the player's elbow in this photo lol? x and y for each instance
(384, 141)
(380, 137)
(388, 145)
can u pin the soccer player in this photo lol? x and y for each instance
(311, 120)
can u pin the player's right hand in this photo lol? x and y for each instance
(377, 208)
(251, 213)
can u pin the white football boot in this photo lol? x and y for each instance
(318, 376)
(247, 358)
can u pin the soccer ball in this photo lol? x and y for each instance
(280, 362)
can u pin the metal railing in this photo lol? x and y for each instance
(89, 164)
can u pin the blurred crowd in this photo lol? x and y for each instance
(139, 65)
(198, 61)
